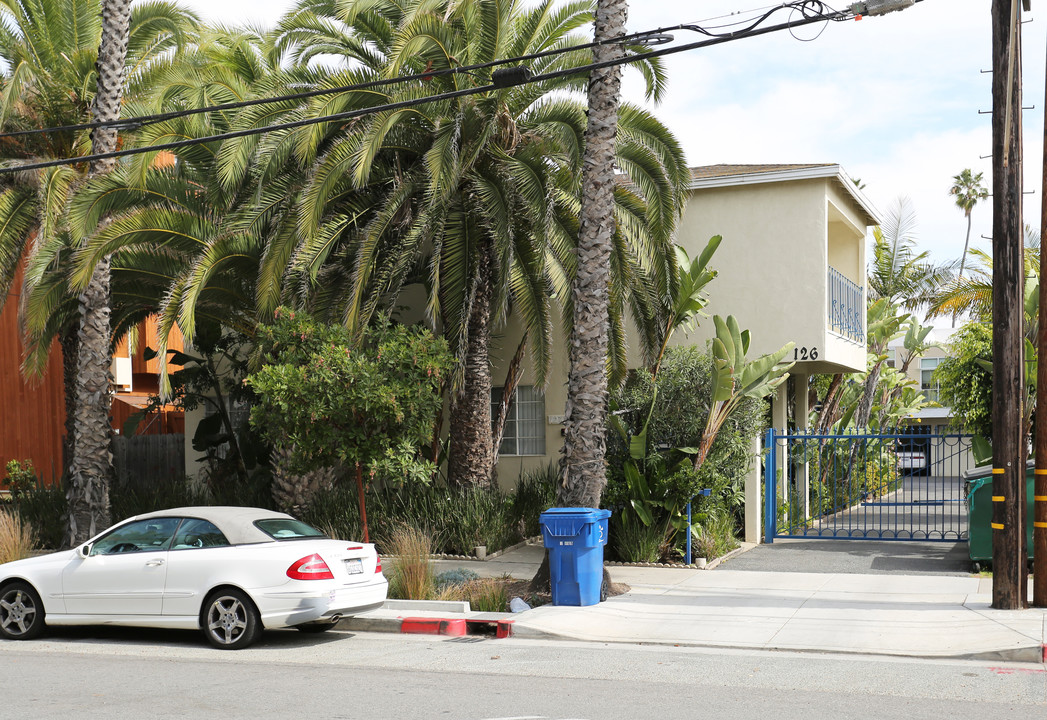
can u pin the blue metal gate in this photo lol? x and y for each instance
(905, 485)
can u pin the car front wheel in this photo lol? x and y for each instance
(230, 621)
(21, 612)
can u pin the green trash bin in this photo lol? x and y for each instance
(979, 513)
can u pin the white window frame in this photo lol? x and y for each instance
(527, 413)
(931, 390)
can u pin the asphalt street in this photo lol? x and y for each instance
(121, 673)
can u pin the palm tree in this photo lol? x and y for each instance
(185, 243)
(478, 195)
(898, 273)
(968, 189)
(972, 295)
(54, 53)
(92, 465)
(582, 471)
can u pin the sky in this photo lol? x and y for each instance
(895, 100)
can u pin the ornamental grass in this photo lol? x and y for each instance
(411, 577)
(17, 539)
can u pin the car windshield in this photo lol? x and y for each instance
(287, 529)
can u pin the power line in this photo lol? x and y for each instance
(812, 11)
(138, 121)
(135, 122)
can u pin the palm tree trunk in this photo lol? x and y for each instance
(963, 258)
(70, 351)
(831, 405)
(582, 472)
(92, 465)
(470, 460)
(512, 380)
(966, 244)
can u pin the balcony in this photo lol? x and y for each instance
(846, 307)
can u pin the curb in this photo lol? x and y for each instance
(499, 628)
(451, 606)
(1029, 654)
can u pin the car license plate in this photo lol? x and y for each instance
(354, 566)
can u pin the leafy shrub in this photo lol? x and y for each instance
(134, 499)
(966, 380)
(452, 578)
(535, 493)
(17, 539)
(714, 537)
(879, 471)
(678, 412)
(336, 402)
(21, 477)
(44, 509)
(458, 519)
(632, 541)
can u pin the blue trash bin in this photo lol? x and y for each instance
(575, 538)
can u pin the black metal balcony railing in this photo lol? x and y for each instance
(846, 307)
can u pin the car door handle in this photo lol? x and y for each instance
(154, 563)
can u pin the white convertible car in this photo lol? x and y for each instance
(230, 571)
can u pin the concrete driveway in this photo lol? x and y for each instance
(875, 557)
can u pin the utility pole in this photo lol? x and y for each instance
(1010, 579)
(1039, 532)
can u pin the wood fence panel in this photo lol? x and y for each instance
(32, 413)
(146, 460)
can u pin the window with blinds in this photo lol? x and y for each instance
(525, 426)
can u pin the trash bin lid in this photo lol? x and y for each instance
(586, 513)
(977, 483)
(986, 470)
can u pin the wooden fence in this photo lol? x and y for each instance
(144, 460)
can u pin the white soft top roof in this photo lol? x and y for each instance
(236, 523)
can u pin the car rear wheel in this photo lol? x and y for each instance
(21, 612)
(230, 621)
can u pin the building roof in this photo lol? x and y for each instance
(724, 175)
(710, 171)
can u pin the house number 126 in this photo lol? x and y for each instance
(805, 353)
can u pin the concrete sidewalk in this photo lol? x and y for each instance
(904, 615)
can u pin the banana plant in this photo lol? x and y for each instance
(683, 308)
(641, 462)
(734, 379)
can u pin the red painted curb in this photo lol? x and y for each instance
(432, 626)
(505, 629)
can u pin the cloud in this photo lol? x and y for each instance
(894, 99)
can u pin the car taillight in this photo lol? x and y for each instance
(310, 568)
(378, 567)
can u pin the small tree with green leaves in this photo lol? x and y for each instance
(965, 378)
(368, 407)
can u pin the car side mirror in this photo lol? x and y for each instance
(85, 550)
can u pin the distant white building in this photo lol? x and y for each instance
(921, 369)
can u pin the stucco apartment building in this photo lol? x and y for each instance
(792, 268)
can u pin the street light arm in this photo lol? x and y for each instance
(880, 7)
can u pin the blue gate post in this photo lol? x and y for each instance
(687, 560)
(770, 488)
